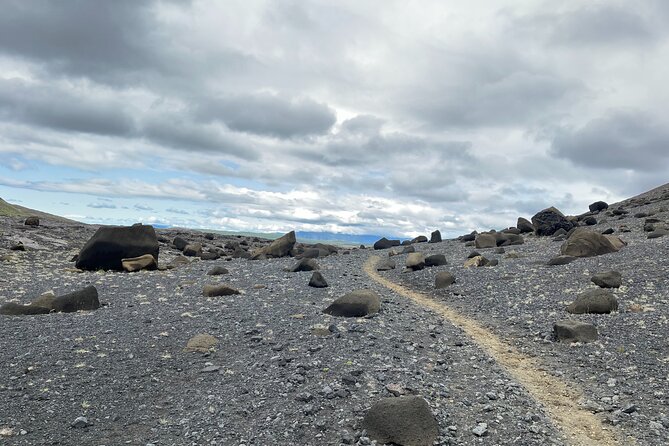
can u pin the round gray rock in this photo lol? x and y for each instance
(406, 421)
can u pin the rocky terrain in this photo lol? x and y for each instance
(178, 354)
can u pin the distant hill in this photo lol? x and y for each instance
(14, 210)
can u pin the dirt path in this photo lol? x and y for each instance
(560, 399)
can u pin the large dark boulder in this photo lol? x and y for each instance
(443, 279)
(317, 280)
(598, 206)
(548, 221)
(32, 221)
(419, 239)
(357, 303)
(384, 243)
(111, 244)
(180, 243)
(485, 240)
(508, 239)
(435, 237)
(435, 260)
(584, 243)
(304, 265)
(404, 421)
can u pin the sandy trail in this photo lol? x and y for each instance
(559, 398)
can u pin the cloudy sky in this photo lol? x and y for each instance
(364, 117)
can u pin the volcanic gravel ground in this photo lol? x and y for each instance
(284, 373)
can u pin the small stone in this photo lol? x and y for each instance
(80, 422)
(480, 430)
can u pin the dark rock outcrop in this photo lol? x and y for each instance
(384, 243)
(548, 221)
(111, 244)
(598, 206)
(435, 237)
(524, 225)
(32, 221)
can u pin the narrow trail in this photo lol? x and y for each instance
(559, 399)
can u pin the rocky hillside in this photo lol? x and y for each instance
(499, 338)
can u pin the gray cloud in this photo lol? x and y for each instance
(57, 108)
(142, 207)
(101, 205)
(271, 115)
(594, 24)
(621, 139)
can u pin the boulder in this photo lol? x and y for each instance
(210, 255)
(317, 280)
(607, 279)
(357, 303)
(218, 290)
(598, 206)
(548, 221)
(415, 261)
(406, 420)
(468, 237)
(177, 262)
(657, 233)
(590, 221)
(384, 243)
(280, 247)
(18, 247)
(408, 249)
(385, 265)
(419, 239)
(145, 262)
(111, 244)
(443, 279)
(304, 265)
(435, 260)
(574, 331)
(617, 242)
(217, 271)
(596, 300)
(584, 243)
(193, 250)
(485, 240)
(524, 225)
(179, 243)
(32, 221)
(84, 299)
(435, 237)
(508, 239)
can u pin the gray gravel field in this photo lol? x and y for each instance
(284, 373)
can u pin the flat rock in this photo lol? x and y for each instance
(219, 290)
(201, 343)
(406, 421)
(217, 271)
(561, 260)
(145, 262)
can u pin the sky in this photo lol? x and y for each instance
(359, 117)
